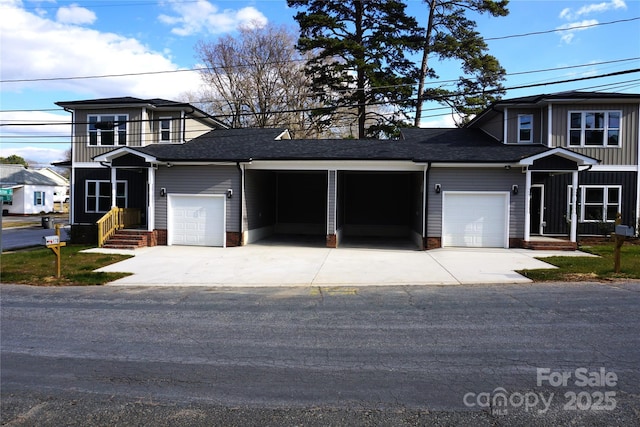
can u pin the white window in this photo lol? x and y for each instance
(165, 129)
(594, 128)
(525, 128)
(38, 198)
(98, 195)
(598, 203)
(105, 130)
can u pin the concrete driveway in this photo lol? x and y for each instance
(285, 265)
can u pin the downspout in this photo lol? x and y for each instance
(425, 205)
(72, 185)
(637, 215)
(241, 172)
(183, 118)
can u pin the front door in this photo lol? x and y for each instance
(537, 209)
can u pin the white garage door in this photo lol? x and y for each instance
(475, 219)
(196, 220)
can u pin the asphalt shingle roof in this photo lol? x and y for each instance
(418, 145)
(18, 175)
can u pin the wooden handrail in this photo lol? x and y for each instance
(116, 219)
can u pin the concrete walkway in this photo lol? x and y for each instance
(281, 265)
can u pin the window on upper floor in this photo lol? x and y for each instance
(525, 128)
(597, 203)
(165, 129)
(594, 128)
(98, 195)
(107, 130)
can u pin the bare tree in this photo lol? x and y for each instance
(257, 79)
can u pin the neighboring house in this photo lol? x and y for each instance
(437, 187)
(30, 192)
(61, 193)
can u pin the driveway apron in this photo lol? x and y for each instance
(259, 265)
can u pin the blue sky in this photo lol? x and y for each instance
(44, 40)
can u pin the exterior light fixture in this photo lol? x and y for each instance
(438, 188)
(229, 193)
(514, 189)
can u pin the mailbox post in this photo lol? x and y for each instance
(621, 233)
(54, 243)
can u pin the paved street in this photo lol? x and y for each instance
(404, 355)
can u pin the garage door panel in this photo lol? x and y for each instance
(196, 220)
(475, 220)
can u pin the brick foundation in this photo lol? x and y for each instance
(332, 241)
(233, 239)
(432, 243)
(516, 242)
(160, 237)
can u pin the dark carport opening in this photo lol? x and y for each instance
(288, 207)
(379, 209)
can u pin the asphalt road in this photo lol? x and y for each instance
(329, 356)
(25, 237)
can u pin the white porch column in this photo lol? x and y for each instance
(527, 206)
(151, 205)
(114, 187)
(574, 213)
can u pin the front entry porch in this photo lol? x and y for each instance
(545, 243)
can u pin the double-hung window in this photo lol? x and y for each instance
(38, 198)
(594, 128)
(598, 203)
(98, 196)
(107, 130)
(525, 128)
(165, 129)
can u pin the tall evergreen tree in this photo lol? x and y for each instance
(451, 35)
(360, 56)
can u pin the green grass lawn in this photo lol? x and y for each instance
(591, 268)
(38, 267)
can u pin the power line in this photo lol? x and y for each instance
(375, 103)
(388, 87)
(578, 27)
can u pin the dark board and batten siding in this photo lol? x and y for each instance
(199, 180)
(476, 179)
(557, 194)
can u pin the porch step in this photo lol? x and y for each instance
(127, 239)
(551, 245)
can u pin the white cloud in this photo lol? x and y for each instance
(34, 47)
(37, 136)
(589, 9)
(203, 17)
(571, 29)
(74, 14)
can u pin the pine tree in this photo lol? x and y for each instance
(360, 57)
(451, 35)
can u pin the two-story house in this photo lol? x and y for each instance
(520, 172)
(603, 126)
(102, 125)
